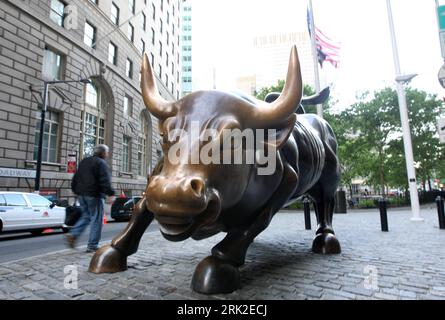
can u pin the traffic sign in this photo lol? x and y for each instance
(441, 129)
(441, 17)
(441, 21)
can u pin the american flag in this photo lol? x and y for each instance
(327, 49)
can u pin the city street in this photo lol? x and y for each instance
(404, 263)
(15, 246)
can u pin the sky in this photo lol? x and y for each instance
(223, 32)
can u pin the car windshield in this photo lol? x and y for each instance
(38, 201)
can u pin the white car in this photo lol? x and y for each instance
(29, 212)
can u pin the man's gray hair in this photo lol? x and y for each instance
(101, 149)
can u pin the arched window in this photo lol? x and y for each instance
(93, 119)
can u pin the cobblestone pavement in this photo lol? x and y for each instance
(406, 263)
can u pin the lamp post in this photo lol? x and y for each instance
(46, 85)
(400, 81)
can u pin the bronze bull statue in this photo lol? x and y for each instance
(201, 200)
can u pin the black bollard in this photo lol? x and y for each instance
(440, 212)
(383, 214)
(307, 213)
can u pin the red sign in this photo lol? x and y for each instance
(72, 164)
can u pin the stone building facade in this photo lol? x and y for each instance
(77, 39)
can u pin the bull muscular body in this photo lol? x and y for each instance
(200, 200)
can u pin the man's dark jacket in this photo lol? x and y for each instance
(92, 178)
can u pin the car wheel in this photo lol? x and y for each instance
(36, 232)
(1, 226)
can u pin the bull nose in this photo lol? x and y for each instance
(172, 195)
(196, 186)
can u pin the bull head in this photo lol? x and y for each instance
(188, 198)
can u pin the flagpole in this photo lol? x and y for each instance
(315, 57)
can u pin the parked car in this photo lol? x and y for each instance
(122, 208)
(29, 212)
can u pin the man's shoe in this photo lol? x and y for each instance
(70, 240)
(89, 250)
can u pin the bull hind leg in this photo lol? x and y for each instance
(219, 272)
(325, 241)
(113, 258)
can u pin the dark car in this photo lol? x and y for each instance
(122, 208)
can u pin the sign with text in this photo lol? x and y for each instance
(17, 173)
(441, 20)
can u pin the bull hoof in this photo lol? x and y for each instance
(108, 260)
(213, 275)
(326, 243)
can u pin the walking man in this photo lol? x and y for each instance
(91, 183)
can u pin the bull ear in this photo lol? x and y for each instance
(279, 138)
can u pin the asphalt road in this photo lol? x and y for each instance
(15, 246)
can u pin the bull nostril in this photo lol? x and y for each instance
(197, 186)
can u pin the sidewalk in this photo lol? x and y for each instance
(406, 263)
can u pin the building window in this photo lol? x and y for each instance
(52, 65)
(142, 147)
(126, 151)
(130, 32)
(90, 35)
(50, 138)
(161, 27)
(132, 6)
(57, 13)
(160, 71)
(152, 60)
(115, 13)
(160, 49)
(168, 18)
(144, 22)
(162, 5)
(93, 120)
(166, 59)
(129, 69)
(152, 36)
(166, 81)
(142, 46)
(128, 106)
(154, 11)
(112, 53)
(92, 95)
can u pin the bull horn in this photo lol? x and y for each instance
(278, 112)
(158, 106)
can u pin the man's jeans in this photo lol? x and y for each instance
(92, 211)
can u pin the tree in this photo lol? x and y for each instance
(376, 137)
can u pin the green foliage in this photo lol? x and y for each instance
(369, 134)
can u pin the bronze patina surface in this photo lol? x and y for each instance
(200, 200)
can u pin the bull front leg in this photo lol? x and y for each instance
(113, 257)
(219, 272)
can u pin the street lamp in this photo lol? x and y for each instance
(401, 80)
(46, 85)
